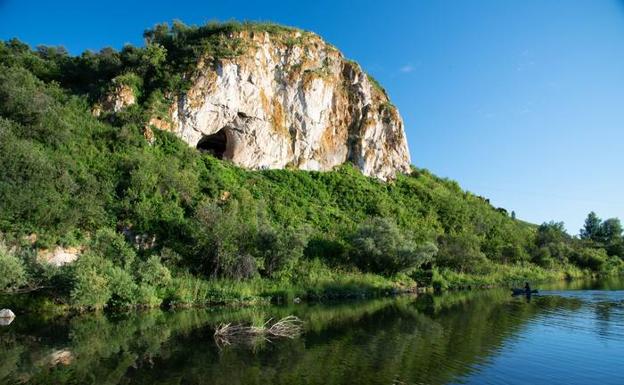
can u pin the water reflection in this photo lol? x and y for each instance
(6, 321)
(430, 340)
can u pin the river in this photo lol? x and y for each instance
(568, 334)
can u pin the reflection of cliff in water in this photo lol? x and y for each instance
(430, 340)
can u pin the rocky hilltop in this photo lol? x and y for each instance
(285, 99)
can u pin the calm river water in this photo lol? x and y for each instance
(569, 334)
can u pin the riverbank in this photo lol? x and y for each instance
(318, 285)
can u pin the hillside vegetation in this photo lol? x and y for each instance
(161, 223)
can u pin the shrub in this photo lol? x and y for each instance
(332, 251)
(379, 246)
(226, 236)
(543, 257)
(460, 251)
(280, 249)
(147, 296)
(90, 284)
(153, 273)
(12, 272)
(21, 98)
(113, 246)
(438, 281)
(588, 258)
(123, 290)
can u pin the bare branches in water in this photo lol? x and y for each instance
(287, 327)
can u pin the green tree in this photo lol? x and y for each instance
(225, 235)
(552, 243)
(153, 273)
(113, 246)
(611, 230)
(12, 271)
(90, 283)
(551, 232)
(592, 228)
(461, 252)
(379, 246)
(589, 258)
(611, 233)
(279, 249)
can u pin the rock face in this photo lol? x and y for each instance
(59, 256)
(290, 101)
(286, 100)
(119, 97)
(60, 357)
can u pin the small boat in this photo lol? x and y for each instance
(518, 291)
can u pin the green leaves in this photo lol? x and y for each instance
(12, 272)
(379, 246)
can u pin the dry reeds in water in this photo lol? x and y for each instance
(287, 327)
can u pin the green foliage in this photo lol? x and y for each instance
(12, 271)
(460, 252)
(123, 289)
(379, 246)
(91, 287)
(604, 234)
(113, 247)
(611, 230)
(132, 80)
(153, 273)
(491, 275)
(593, 259)
(612, 238)
(225, 239)
(591, 228)
(235, 240)
(279, 249)
(147, 296)
(543, 257)
(552, 244)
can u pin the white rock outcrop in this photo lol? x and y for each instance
(59, 256)
(291, 100)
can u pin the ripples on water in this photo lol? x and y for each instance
(561, 336)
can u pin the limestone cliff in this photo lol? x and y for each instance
(288, 100)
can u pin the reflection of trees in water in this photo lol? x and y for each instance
(603, 316)
(431, 340)
(609, 319)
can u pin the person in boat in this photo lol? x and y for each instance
(527, 288)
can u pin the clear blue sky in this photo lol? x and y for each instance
(521, 101)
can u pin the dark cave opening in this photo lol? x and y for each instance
(214, 144)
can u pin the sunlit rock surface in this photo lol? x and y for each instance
(290, 101)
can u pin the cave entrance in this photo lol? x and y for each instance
(214, 144)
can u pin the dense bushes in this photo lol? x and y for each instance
(593, 259)
(378, 246)
(236, 240)
(12, 272)
(460, 252)
(597, 249)
(90, 282)
(96, 282)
